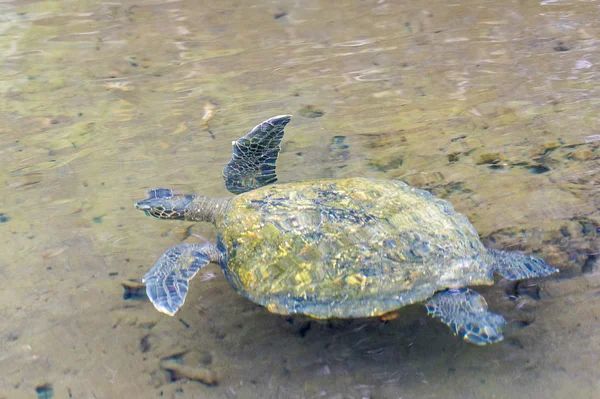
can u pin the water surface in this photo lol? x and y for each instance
(492, 105)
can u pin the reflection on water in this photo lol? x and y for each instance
(492, 105)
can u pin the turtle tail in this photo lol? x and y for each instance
(518, 266)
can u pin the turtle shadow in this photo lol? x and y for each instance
(399, 335)
(298, 351)
(274, 352)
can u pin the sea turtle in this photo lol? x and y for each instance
(333, 248)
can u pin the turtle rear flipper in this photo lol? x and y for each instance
(518, 266)
(467, 315)
(167, 281)
(254, 156)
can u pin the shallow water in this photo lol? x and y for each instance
(491, 105)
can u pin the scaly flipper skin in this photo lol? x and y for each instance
(518, 266)
(167, 281)
(467, 315)
(254, 156)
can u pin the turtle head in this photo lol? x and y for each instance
(162, 203)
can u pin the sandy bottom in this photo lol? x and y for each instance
(491, 105)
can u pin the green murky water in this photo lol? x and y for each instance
(492, 105)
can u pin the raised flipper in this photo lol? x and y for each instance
(254, 156)
(467, 315)
(517, 266)
(167, 281)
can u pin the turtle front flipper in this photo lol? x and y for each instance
(467, 315)
(518, 266)
(254, 156)
(167, 281)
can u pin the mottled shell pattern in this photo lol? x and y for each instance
(347, 248)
